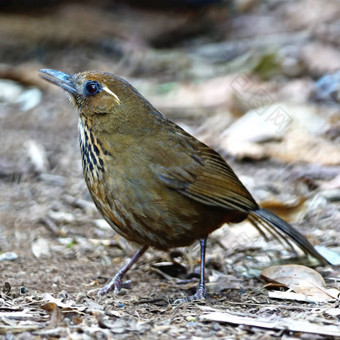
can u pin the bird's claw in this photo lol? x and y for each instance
(114, 285)
(201, 293)
(126, 284)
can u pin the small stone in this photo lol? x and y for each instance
(37, 156)
(66, 241)
(122, 292)
(8, 256)
(23, 290)
(80, 297)
(190, 318)
(6, 288)
(61, 216)
(102, 224)
(41, 248)
(63, 295)
(215, 326)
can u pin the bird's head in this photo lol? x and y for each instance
(101, 97)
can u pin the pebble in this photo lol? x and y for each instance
(23, 290)
(41, 248)
(8, 256)
(331, 195)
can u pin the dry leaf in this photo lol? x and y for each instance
(289, 132)
(301, 279)
(299, 145)
(49, 306)
(238, 236)
(286, 210)
(289, 295)
(333, 311)
(278, 323)
(292, 274)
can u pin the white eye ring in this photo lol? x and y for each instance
(108, 91)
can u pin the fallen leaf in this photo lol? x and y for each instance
(289, 211)
(292, 274)
(238, 236)
(299, 145)
(300, 279)
(285, 324)
(289, 295)
(333, 311)
(50, 301)
(289, 132)
(49, 306)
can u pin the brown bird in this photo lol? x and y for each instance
(154, 183)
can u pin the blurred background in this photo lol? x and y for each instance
(257, 80)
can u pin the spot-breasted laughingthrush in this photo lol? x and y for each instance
(153, 182)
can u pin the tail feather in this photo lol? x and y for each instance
(265, 228)
(263, 218)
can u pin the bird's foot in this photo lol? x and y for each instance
(114, 285)
(201, 293)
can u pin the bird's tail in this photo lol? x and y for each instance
(263, 219)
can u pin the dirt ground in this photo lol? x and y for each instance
(206, 68)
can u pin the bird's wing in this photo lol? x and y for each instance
(203, 175)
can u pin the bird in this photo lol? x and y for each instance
(154, 183)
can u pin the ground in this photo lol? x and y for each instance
(207, 69)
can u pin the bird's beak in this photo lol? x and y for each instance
(61, 79)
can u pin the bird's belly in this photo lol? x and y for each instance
(147, 218)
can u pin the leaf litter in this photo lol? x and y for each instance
(300, 279)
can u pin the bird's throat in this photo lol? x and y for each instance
(93, 166)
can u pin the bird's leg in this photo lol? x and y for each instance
(201, 291)
(116, 283)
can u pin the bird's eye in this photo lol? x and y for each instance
(92, 87)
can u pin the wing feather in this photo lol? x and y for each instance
(204, 176)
